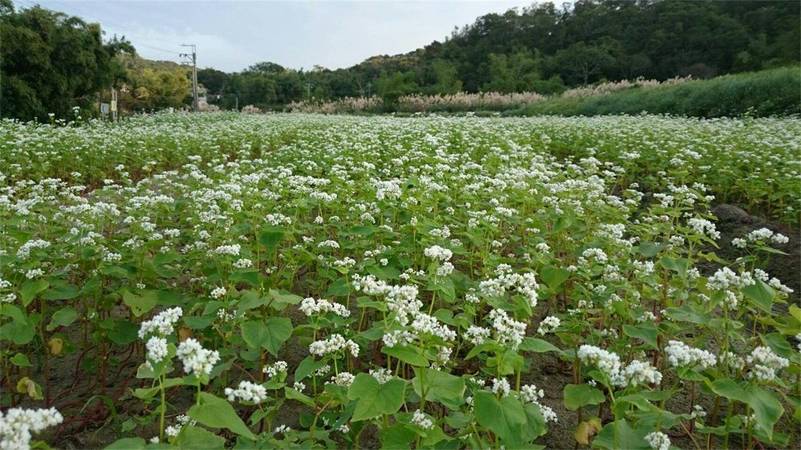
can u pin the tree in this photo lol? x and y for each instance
(392, 86)
(152, 85)
(581, 63)
(51, 62)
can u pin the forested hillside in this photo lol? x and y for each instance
(546, 48)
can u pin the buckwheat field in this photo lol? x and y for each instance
(302, 281)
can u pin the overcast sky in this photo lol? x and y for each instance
(231, 35)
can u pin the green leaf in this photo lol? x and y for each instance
(123, 333)
(440, 386)
(505, 417)
(766, 407)
(191, 438)
(726, 387)
(270, 237)
(269, 335)
(578, 395)
(62, 291)
(761, 295)
(29, 290)
(20, 360)
(645, 332)
(62, 318)
(407, 353)
(649, 249)
(306, 367)
(536, 345)
(140, 304)
(128, 444)
(679, 265)
(215, 412)
(294, 394)
(554, 276)
(620, 435)
(397, 436)
(374, 399)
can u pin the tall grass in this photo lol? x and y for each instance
(770, 92)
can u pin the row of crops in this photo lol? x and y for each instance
(284, 281)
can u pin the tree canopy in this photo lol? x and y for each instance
(51, 62)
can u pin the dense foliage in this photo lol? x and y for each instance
(546, 49)
(772, 92)
(279, 281)
(51, 63)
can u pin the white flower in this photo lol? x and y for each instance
(381, 375)
(438, 253)
(420, 419)
(658, 440)
(704, 226)
(548, 325)
(17, 426)
(332, 344)
(218, 292)
(764, 363)
(156, 349)
(162, 324)
(507, 330)
(275, 368)
(343, 379)
(243, 263)
(500, 386)
(196, 359)
(310, 306)
(247, 392)
(681, 354)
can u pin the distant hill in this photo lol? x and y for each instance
(545, 48)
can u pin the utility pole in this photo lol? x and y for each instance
(192, 57)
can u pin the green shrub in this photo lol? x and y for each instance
(771, 92)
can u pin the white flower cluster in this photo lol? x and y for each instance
(637, 372)
(218, 292)
(764, 363)
(275, 368)
(25, 251)
(156, 349)
(500, 387)
(525, 284)
(196, 359)
(507, 330)
(529, 393)
(310, 307)
(681, 354)
(420, 419)
(344, 379)
(424, 323)
(243, 263)
(703, 226)
(247, 392)
(230, 250)
(548, 325)
(180, 422)
(762, 235)
(658, 440)
(17, 426)
(381, 375)
(162, 324)
(438, 253)
(387, 189)
(332, 344)
(398, 337)
(476, 335)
